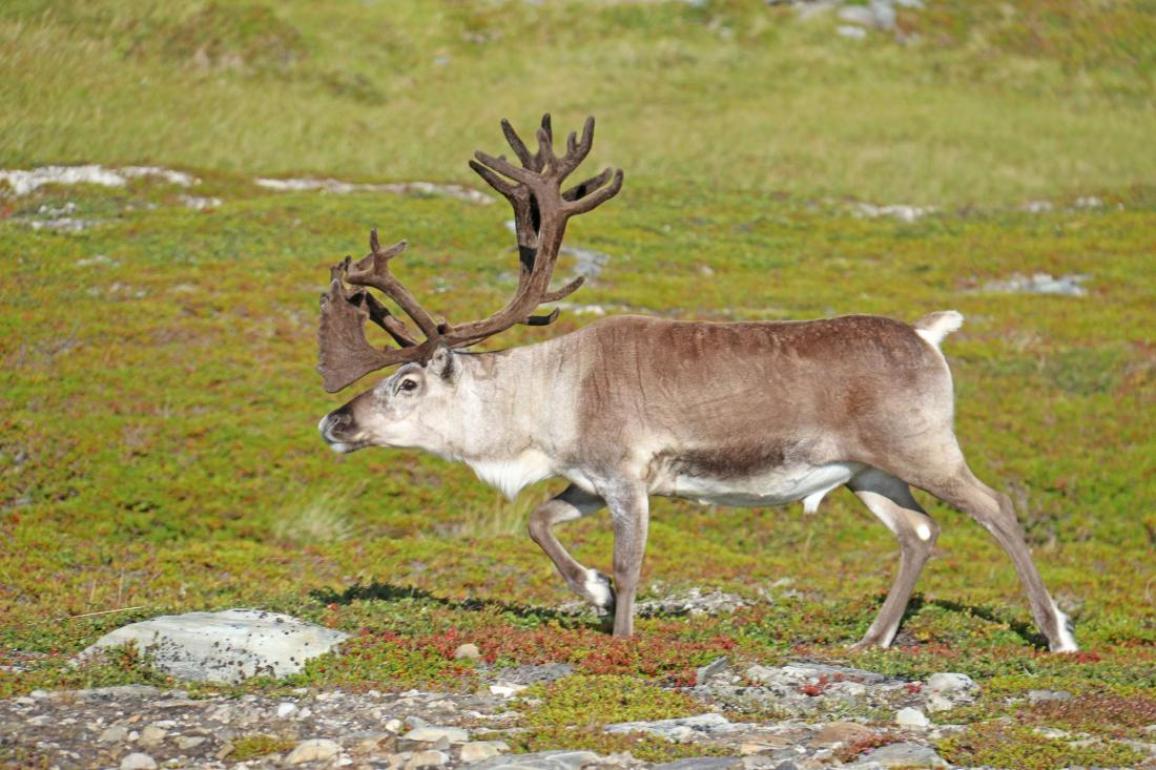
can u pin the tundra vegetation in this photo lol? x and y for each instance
(158, 408)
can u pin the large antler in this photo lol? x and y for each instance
(541, 211)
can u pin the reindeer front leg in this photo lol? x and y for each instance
(630, 509)
(572, 504)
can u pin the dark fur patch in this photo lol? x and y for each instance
(728, 462)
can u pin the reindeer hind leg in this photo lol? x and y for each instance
(890, 500)
(994, 511)
(572, 504)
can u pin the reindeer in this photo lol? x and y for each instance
(743, 414)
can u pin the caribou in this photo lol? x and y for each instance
(741, 414)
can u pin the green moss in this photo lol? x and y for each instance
(591, 701)
(251, 746)
(1001, 746)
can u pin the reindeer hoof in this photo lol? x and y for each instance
(867, 643)
(599, 591)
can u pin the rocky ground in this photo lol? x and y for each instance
(804, 715)
(144, 727)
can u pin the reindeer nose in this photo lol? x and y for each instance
(332, 422)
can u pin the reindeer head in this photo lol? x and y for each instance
(400, 410)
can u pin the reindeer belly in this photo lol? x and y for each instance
(768, 487)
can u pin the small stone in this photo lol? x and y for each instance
(314, 750)
(152, 736)
(285, 709)
(433, 734)
(186, 742)
(394, 725)
(949, 683)
(113, 734)
(544, 760)
(909, 717)
(427, 759)
(710, 670)
(506, 690)
(751, 747)
(844, 733)
(467, 652)
(373, 743)
(905, 755)
(138, 761)
(479, 750)
(1043, 696)
(701, 763)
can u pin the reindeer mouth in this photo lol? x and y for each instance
(331, 426)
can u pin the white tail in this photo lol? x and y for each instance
(933, 327)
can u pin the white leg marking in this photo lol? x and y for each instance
(1067, 641)
(923, 531)
(811, 502)
(598, 588)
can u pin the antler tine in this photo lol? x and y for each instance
(592, 200)
(373, 270)
(576, 151)
(538, 181)
(519, 147)
(345, 356)
(588, 186)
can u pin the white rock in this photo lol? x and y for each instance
(24, 182)
(186, 742)
(339, 187)
(476, 752)
(432, 758)
(433, 734)
(113, 734)
(226, 646)
(951, 683)
(285, 709)
(152, 736)
(314, 750)
(394, 725)
(467, 652)
(138, 761)
(909, 717)
(506, 690)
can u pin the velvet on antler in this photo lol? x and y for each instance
(541, 211)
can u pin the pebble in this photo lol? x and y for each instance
(186, 742)
(430, 758)
(113, 734)
(138, 761)
(433, 734)
(1043, 696)
(467, 652)
(711, 670)
(285, 709)
(841, 733)
(479, 750)
(909, 717)
(314, 750)
(152, 736)
(905, 755)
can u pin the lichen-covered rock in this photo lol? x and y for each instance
(224, 647)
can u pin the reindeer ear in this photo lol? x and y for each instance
(441, 363)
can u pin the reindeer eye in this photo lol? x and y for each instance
(408, 385)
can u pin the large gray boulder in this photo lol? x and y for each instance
(224, 647)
